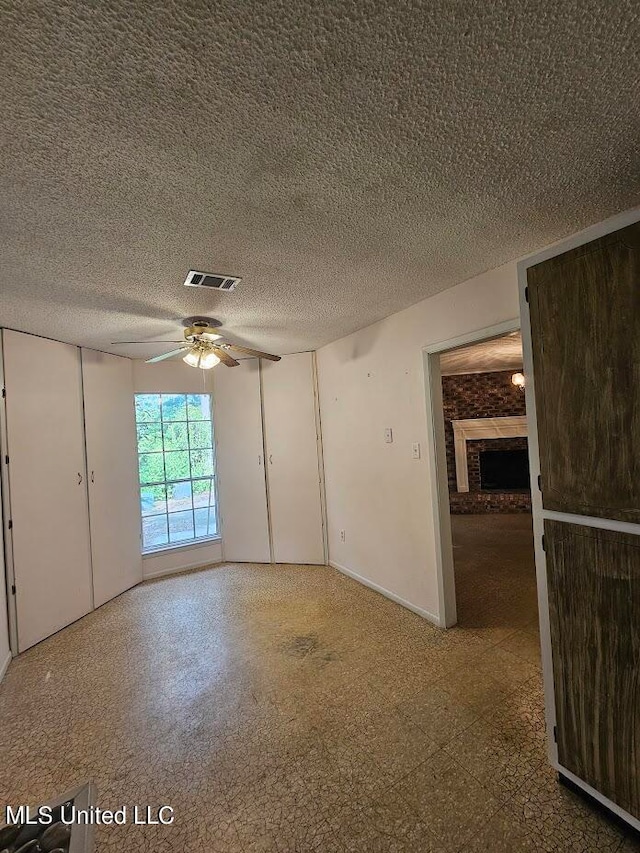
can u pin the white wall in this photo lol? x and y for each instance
(178, 559)
(376, 492)
(171, 377)
(176, 377)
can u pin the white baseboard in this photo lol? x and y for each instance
(161, 573)
(430, 617)
(5, 665)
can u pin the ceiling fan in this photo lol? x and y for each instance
(203, 347)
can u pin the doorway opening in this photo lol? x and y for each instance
(480, 449)
(487, 467)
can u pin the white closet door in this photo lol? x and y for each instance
(48, 490)
(291, 445)
(112, 467)
(237, 418)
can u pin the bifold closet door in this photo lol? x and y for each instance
(293, 473)
(585, 333)
(112, 468)
(237, 416)
(48, 489)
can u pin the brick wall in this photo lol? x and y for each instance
(481, 395)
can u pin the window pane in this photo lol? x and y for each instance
(174, 407)
(181, 526)
(151, 468)
(201, 463)
(153, 500)
(206, 524)
(177, 465)
(175, 436)
(200, 434)
(147, 407)
(179, 496)
(176, 468)
(149, 436)
(203, 492)
(199, 407)
(154, 532)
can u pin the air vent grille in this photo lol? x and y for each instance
(211, 280)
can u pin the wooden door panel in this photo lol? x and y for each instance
(594, 601)
(585, 323)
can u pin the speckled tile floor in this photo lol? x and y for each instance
(287, 708)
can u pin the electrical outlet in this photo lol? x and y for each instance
(343, 536)
(388, 435)
(415, 450)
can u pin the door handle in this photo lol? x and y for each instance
(79, 478)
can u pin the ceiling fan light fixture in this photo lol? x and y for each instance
(201, 332)
(192, 358)
(208, 360)
(201, 357)
(200, 347)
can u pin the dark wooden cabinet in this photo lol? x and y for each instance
(585, 324)
(594, 601)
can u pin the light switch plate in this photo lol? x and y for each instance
(388, 435)
(415, 450)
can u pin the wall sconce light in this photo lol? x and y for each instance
(517, 379)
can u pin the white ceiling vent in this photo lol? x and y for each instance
(211, 280)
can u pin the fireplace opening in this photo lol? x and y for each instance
(504, 470)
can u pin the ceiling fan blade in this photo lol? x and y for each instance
(116, 343)
(166, 355)
(224, 357)
(254, 352)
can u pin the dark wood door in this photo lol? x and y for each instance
(594, 597)
(585, 324)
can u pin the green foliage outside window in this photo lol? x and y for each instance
(176, 467)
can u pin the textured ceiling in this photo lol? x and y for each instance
(346, 158)
(485, 357)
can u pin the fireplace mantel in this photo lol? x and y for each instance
(475, 428)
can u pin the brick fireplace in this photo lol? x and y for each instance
(483, 398)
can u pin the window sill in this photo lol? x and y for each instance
(182, 546)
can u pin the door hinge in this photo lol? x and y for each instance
(544, 543)
(4, 393)
(13, 589)
(10, 524)
(6, 459)
(526, 294)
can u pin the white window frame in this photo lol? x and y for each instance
(195, 541)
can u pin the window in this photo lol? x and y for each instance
(177, 469)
